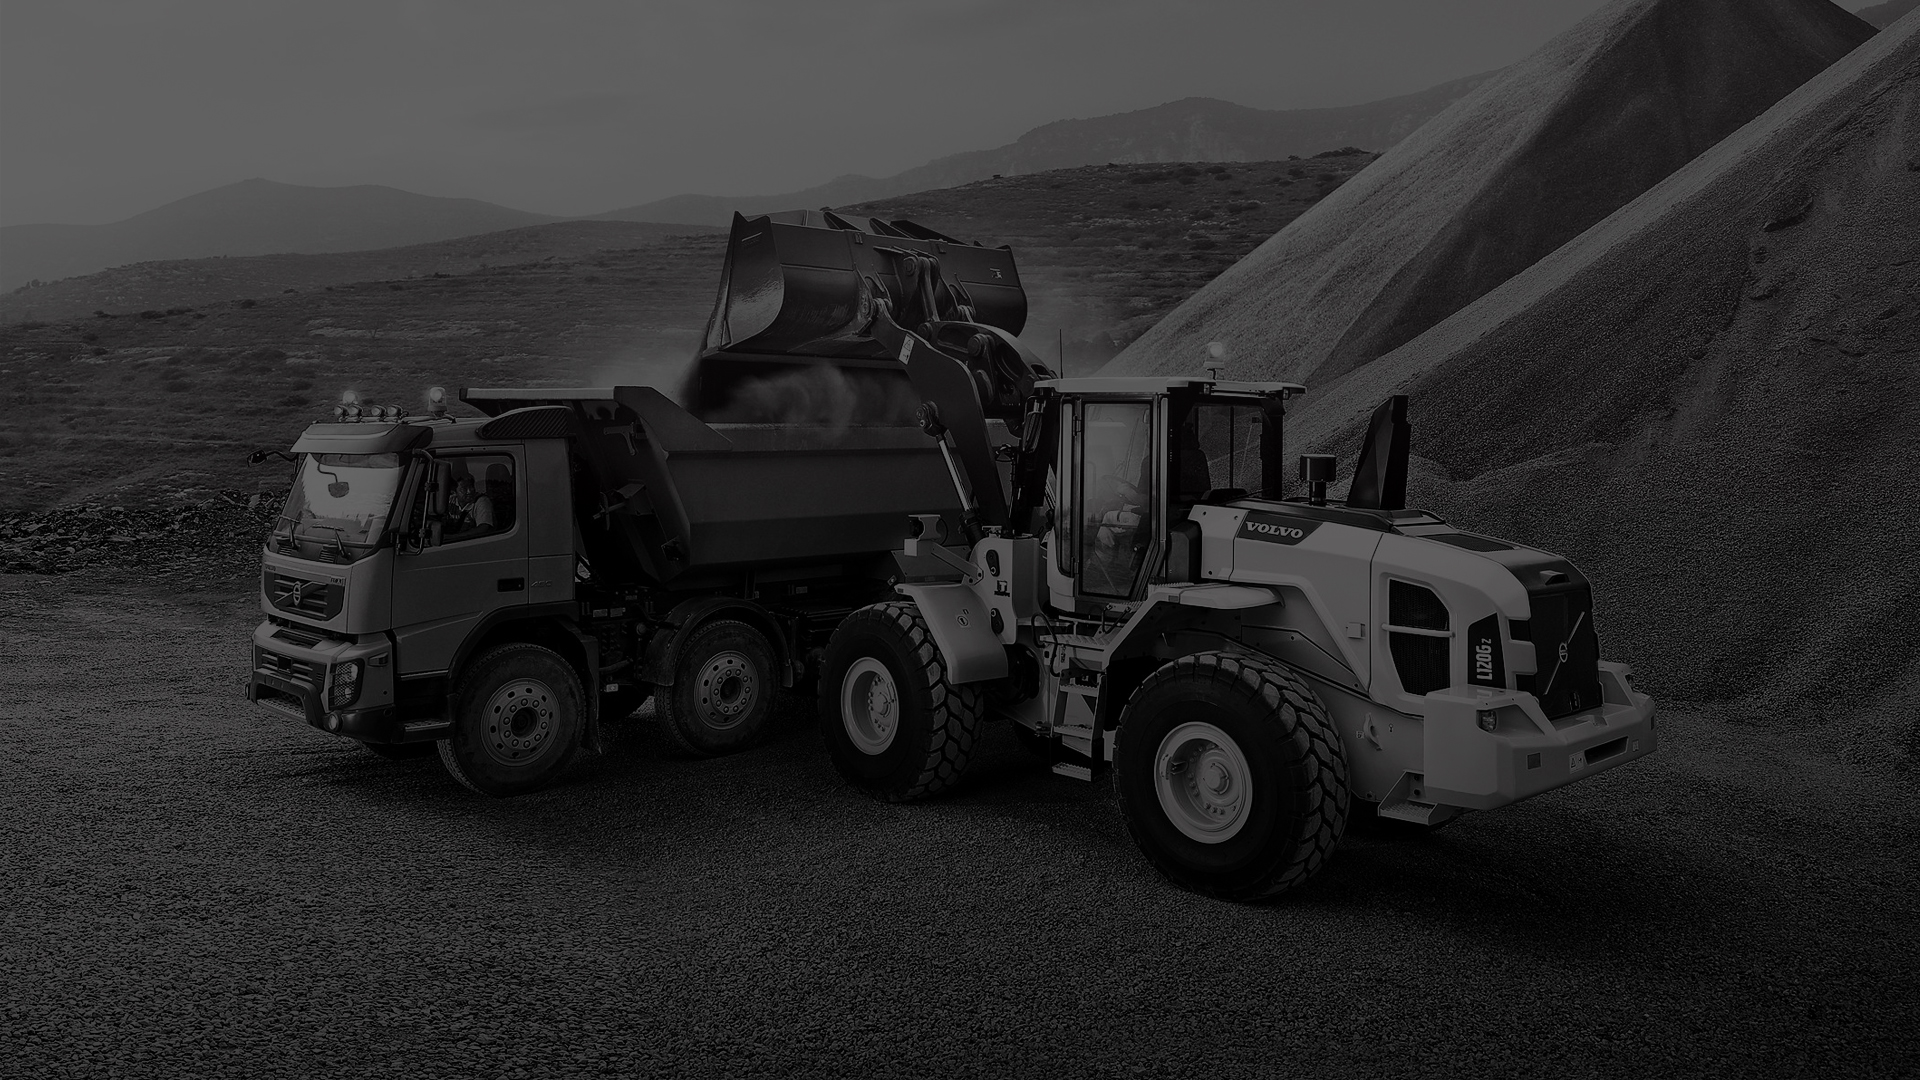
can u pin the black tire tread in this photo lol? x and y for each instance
(1320, 762)
(956, 711)
(668, 712)
(494, 657)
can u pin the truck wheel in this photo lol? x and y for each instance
(517, 721)
(722, 690)
(1230, 775)
(895, 727)
(406, 751)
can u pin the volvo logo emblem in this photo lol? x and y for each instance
(1276, 528)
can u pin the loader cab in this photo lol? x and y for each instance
(1135, 456)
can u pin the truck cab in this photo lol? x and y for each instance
(401, 544)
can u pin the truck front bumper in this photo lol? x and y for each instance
(1526, 753)
(292, 678)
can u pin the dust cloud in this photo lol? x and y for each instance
(821, 396)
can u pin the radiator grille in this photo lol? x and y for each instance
(1567, 648)
(1421, 662)
(314, 599)
(1412, 605)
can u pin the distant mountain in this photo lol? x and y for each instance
(1191, 129)
(253, 217)
(1884, 15)
(185, 283)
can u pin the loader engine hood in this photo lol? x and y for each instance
(1416, 604)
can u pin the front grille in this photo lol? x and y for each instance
(287, 666)
(1421, 662)
(1411, 605)
(314, 599)
(1567, 648)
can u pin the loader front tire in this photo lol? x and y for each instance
(517, 721)
(894, 725)
(1231, 776)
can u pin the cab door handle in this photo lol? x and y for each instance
(512, 584)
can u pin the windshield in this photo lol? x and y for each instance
(340, 504)
(1220, 446)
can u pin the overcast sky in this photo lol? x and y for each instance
(111, 107)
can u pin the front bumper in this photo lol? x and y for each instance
(291, 678)
(1526, 753)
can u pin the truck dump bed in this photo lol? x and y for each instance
(665, 498)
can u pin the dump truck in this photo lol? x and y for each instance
(494, 588)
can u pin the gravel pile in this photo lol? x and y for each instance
(1507, 174)
(1707, 402)
(209, 539)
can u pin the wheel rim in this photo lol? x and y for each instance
(1203, 782)
(870, 706)
(520, 718)
(725, 689)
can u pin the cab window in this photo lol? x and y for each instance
(1116, 496)
(480, 497)
(1217, 447)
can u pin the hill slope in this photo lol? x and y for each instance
(1706, 400)
(1510, 172)
(194, 282)
(253, 217)
(1192, 129)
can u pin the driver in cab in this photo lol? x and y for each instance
(469, 513)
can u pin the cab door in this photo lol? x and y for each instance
(476, 564)
(1116, 498)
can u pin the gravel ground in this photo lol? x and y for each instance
(189, 886)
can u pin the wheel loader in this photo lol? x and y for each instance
(1129, 583)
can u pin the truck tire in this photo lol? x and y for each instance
(1231, 776)
(722, 692)
(517, 721)
(406, 751)
(894, 726)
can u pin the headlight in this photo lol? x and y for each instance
(344, 687)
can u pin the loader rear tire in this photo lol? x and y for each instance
(895, 726)
(516, 722)
(722, 692)
(1231, 776)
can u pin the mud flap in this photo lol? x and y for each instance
(958, 619)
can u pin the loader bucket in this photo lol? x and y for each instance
(790, 341)
(805, 282)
